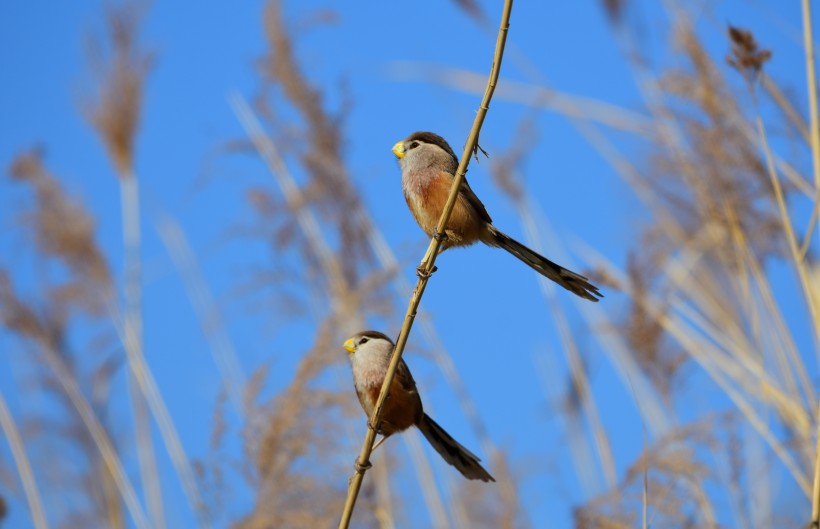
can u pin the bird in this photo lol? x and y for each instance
(428, 167)
(369, 353)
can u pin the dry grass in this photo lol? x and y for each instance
(701, 295)
(696, 287)
(121, 68)
(723, 179)
(64, 237)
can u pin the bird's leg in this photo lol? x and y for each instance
(441, 238)
(422, 273)
(360, 469)
(378, 444)
(475, 152)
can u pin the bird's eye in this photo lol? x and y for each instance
(363, 340)
(414, 145)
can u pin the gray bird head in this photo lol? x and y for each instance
(425, 149)
(369, 354)
(369, 342)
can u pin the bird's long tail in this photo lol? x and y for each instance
(575, 283)
(451, 450)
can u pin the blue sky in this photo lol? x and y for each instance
(205, 51)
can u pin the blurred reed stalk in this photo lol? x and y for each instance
(21, 460)
(116, 117)
(814, 121)
(202, 300)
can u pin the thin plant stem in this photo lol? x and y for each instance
(165, 424)
(815, 499)
(307, 222)
(384, 510)
(207, 310)
(144, 389)
(425, 270)
(132, 302)
(811, 79)
(805, 281)
(570, 350)
(785, 106)
(18, 453)
(98, 433)
(430, 490)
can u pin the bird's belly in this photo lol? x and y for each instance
(402, 409)
(426, 216)
(426, 204)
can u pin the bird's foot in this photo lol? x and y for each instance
(423, 273)
(377, 444)
(361, 468)
(439, 236)
(478, 148)
(373, 426)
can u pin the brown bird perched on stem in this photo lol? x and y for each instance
(369, 353)
(428, 167)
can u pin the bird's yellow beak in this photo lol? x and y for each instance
(398, 150)
(349, 346)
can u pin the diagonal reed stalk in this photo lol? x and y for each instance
(149, 390)
(132, 327)
(569, 348)
(98, 433)
(426, 268)
(18, 453)
(205, 306)
(811, 79)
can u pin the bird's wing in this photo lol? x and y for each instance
(405, 378)
(473, 200)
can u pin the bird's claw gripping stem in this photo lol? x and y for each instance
(362, 468)
(421, 272)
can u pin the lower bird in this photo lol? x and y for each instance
(369, 353)
(428, 167)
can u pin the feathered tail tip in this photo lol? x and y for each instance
(452, 451)
(575, 283)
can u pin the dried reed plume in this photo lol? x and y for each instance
(121, 67)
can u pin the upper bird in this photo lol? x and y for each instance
(428, 167)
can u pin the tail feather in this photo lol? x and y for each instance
(575, 283)
(451, 450)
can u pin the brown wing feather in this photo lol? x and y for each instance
(403, 406)
(467, 193)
